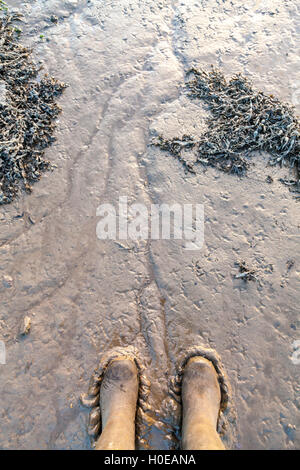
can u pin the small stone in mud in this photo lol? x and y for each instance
(269, 179)
(7, 281)
(25, 326)
(289, 264)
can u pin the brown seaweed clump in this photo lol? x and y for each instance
(27, 112)
(241, 120)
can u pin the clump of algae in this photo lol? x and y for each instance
(241, 120)
(27, 112)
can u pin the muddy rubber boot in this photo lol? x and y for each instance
(118, 399)
(201, 397)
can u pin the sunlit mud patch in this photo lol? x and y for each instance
(92, 398)
(227, 416)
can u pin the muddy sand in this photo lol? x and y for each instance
(125, 63)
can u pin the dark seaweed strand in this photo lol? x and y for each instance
(26, 114)
(242, 120)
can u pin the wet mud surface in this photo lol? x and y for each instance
(125, 63)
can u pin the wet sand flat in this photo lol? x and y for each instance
(124, 62)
